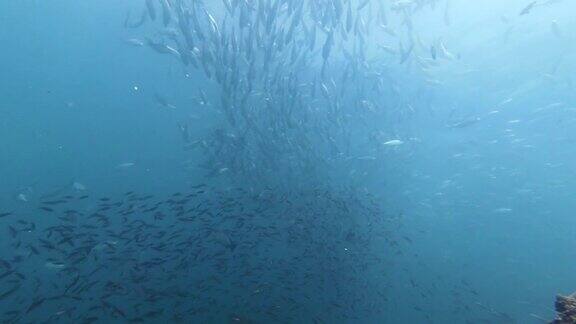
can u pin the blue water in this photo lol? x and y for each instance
(361, 188)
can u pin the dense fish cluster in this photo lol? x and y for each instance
(207, 255)
(200, 256)
(306, 103)
(299, 84)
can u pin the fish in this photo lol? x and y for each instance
(349, 17)
(447, 20)
(7, 273)
(83, 244)
(125, 165)
(464, 123)
(151, 9)
(9, 292)
(166, 15)
(78, 186)
(328, 46)
(526, 10)
(54, 202)
(143, 18)
(161, 47)
(134, 42)
(394, 142)
(555, 29)
(433, 53)
(35, 304)
(13, 232)
(362, 5)
(163, 102)
(445, 53)
(405, 53)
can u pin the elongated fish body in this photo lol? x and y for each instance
(328, 46)
(166, 15)
(555, 29)
(143, 18)
(394, 142)
(528, 8)
(151, 9)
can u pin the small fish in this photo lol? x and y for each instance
(166, 17)
(464, 123)
(162, 101)
(54, 202)
(349, 17)
(78, 186)
(447, 14)
(6, 274)
(328, 46)
(556, 29)
(9, 292)
(13, 232)
(162, 48)
(405, 54)
(5, 214)
(33, 249)
(134, 42)
(395, 142)
(362, 5)
(444, 51)
(528, 8)
(89, 320)
(125, 165)
(151, 9)
(54, 265)
(140, 22)
(35, 304)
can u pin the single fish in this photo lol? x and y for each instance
(166, 16)
(528, 8)
(54, 265)
(9, 292)
(140, 22)
(125, 165)
(134, 42)
(162, 101)
(556, 29)
(395, 142)
(78, 186)
(405, 54)
(151, 9)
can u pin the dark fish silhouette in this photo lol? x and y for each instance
(151, 9)
(528, 8)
